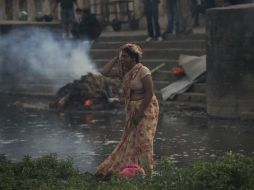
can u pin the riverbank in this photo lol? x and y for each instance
(233, 171)
(28, 127)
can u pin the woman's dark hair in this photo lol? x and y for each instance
(132, 55)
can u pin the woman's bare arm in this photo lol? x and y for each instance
(109, 70)
(148, 87)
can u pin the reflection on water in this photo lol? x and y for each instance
(89, 137)
(186, 139)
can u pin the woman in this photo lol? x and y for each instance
(141, 106)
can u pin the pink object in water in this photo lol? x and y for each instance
(131, 170)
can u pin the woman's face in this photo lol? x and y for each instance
(126, 60)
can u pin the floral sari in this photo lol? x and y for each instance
(136, 144)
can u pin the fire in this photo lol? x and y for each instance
(88, 102)
(177, 71)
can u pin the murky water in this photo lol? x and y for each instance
(29, 128)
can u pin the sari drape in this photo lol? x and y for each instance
(136, 143)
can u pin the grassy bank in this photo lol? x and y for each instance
(232, 172)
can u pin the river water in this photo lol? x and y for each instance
(27, 127)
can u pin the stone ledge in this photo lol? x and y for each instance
(15, 22)
(247, 116)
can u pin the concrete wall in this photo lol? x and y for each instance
(230, 58)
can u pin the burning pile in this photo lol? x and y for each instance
(91, 91)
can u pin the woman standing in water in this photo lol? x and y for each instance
(141, 107)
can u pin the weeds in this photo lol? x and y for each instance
(232, 172)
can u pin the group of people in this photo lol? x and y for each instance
(182, 15)
(80, 24)
(179, 18)
(83, 24)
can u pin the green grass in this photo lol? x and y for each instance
(232, 172)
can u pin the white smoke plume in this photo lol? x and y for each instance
(39, 55)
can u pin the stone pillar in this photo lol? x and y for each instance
(46, 6)
(230, 58)
(16, 10)
(31, 10)
(8, 9)
(2, 10)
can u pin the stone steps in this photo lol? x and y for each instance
(155, 53)
(185, 44)
(132, 37)
(29, 93)
(191, 97)
(164, 75)
(182, 106)
(31, 88)
(150, 63)
(198, 87)
(170, 53)
(160, 84)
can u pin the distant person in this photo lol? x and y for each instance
(200, 7)
(196, 9)
(173, 14)
(151, 10)
(186, 16)
(67, 15)
(86, 26)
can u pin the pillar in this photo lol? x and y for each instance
(230, 58)
(47, 6)
(2, 10)
(15, 9)
(31, 10)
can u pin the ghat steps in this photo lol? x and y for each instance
(156, 53)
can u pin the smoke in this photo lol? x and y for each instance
(34, 55)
